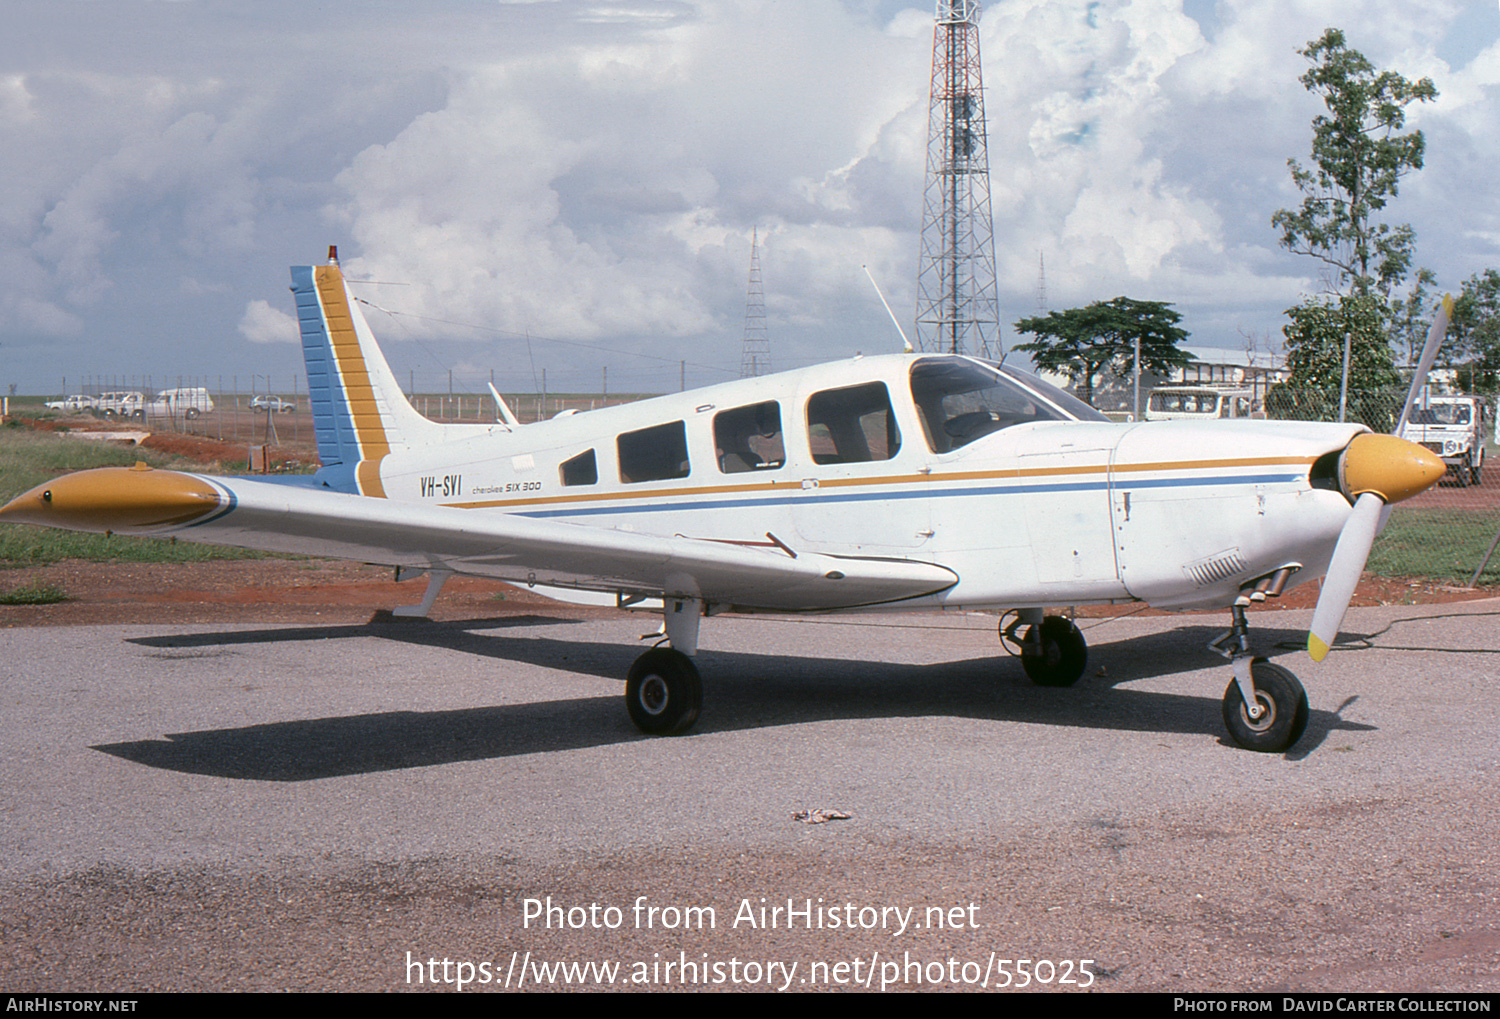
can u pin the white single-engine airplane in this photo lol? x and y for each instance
(896, 482)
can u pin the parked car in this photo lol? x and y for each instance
(272, 404)
(77, 404)
(185, 403)
(1453, 428)
(122, 404)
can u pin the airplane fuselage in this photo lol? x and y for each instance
(1055, 511)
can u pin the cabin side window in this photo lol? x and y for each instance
(959, 401)
(583, 469)
(654, 454)
(853, 425)
(749, 438)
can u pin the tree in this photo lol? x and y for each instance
(1360, 159)
(1083, 342)
(1472, 344)
(1410, 317)
(1474, 333)
(1315, 361)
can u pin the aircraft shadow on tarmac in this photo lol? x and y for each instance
(742, 691)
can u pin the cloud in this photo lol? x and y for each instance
(592, 170)
(262, 323)
(599, 191)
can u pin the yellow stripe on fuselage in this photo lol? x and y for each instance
(892, 480)
(364, 409)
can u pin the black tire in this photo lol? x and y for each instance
(1284, 722)
(190, 413)
(663, 692)
(1064, 655)
(1465, 472)
(1474, 473)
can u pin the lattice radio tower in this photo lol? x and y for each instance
(755, 353)
(957, 310)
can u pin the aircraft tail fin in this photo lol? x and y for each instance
(359, 412)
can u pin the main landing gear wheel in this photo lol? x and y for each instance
(1284, 710)
(1064, 654)
(663, 692)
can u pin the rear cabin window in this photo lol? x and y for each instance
(853, 425)
(654, 454)
(583, 469)
(749, 438)
(960, 401)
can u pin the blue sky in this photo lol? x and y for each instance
(572, 184)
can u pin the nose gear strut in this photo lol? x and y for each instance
(1265, 706)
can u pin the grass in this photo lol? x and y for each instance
(27, 459)
(1444, 545)
(33, 593)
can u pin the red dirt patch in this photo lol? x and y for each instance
(249, 591)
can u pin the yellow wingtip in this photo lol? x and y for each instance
(1316, 647)
(115, 499)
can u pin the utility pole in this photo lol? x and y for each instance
(957, 309)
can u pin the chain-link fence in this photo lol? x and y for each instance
(1448, 532)
(249, 410)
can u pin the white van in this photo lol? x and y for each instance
(185, 403)
(1197, 403)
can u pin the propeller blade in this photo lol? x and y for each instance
(1348, 562)
(1434, 340)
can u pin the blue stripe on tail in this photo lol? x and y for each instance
(333, 425)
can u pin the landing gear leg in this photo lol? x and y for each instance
(663, 692)
(1265, 707)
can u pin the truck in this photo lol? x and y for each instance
(1453, 428)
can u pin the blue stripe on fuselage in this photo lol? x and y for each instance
(885, 495)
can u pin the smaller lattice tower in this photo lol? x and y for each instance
(755, 352)
(1041, 283)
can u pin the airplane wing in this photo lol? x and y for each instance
(289, 518)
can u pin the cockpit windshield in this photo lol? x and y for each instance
(960, 401)
(1065, 401)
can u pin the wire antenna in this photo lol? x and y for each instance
(905, 343)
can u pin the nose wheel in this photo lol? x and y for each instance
(1265, 707)
(1282, 715)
